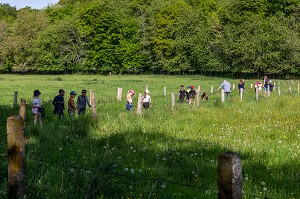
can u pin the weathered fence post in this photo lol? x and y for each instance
(268, 90)
(22, 111)
(298, 86)
(173, 100)
(233, 86)
(241, 94)
(165, 91)
(256, 93)
(146, 87)
(222, 95)
(140, 103)
(16, 98)
(290, 88)
(93, 104)
(274, 86)
(279, 91)
(198, 96)
(119, 96)
(16, 154)
(230, 176)
(251, 85)
(212, 89)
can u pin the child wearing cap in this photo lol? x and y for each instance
(82, 101)
(71, 104)
(147, 100)
(36, 105)
(59, 104)
(129, 96)
(192, 94)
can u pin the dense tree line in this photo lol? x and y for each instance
(152, 36)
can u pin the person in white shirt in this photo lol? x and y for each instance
(147, 100)
(36, 105)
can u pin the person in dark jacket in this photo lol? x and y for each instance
(192, 95)
(82, 101)
(59, 104)
(182, 94)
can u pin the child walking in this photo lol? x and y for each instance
(147, 100)
(59, 104)
(36, 105)
(129, 97)
(71, 104)
(82, 101)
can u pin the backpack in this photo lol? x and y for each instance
(42, 111)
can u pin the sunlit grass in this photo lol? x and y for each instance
(156, 154)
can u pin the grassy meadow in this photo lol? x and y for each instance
(161, 153)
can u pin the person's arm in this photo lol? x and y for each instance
(220, 87)
(54, 101)
(88, 101)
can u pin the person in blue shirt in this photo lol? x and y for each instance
(226, 86)
(59, 104)
(241, 85)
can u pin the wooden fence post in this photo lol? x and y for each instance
(233, 86)
(22, 111)
(290, 88)
(256, 93)
(93, 104)
(140, 103)
(241, 94)
(146, 87)
(279, 91)
(229, 176)
(119, 96)
(251, 85)
(16, 154)
(198, 96)
(298, 86)
(268, 91)
(274, 86)
(16, 98)
(173, 100)
(222, 95)
(212, 89)
(165, 91)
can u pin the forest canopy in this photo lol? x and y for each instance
(152, 36)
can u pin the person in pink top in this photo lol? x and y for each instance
(36, 105)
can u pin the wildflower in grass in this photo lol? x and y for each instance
(263, 183)
(131, 147)
(126, 169)
(140, 170)
(163, 186)
(60, 148)
(134, 151)
(72, 170)
(132, 171)
(119, 157)
(265, 189)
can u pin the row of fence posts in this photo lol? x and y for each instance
(229, 164)
(241, 92)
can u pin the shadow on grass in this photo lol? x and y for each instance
(64, 160)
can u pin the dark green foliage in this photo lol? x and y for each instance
(170, 36)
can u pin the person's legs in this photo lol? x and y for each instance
(34, 118)
(39, 117)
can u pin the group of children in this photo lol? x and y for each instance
(268, 85)
(189, 94)
(147, 102)
(59, 104)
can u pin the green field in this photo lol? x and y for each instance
(162, 153)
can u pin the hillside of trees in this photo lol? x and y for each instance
(152, 36)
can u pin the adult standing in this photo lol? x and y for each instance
(226, 86)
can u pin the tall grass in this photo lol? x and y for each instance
(162, 153)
